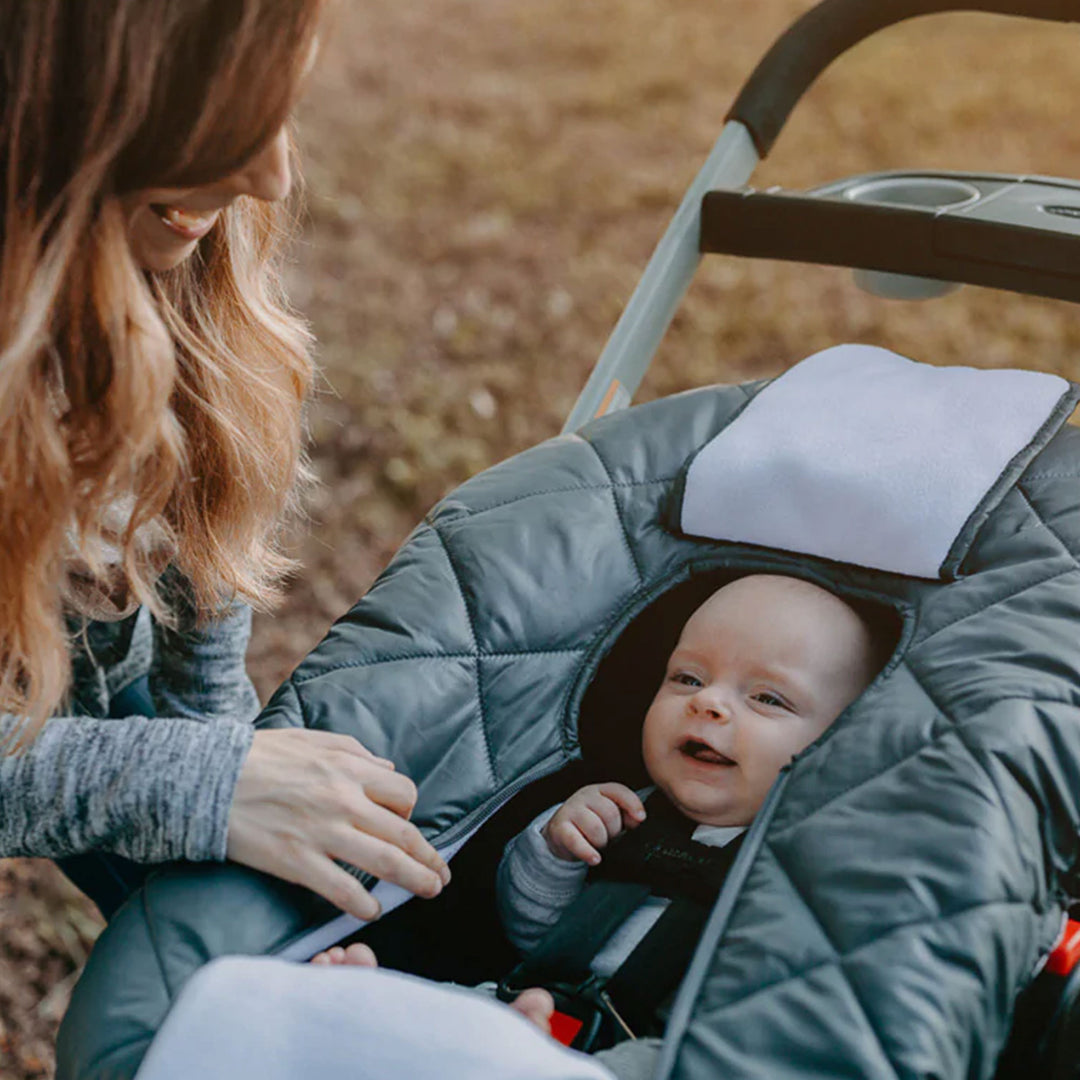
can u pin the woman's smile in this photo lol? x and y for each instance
(164, 224)
(185, 223)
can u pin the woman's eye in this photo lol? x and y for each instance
(684, 678)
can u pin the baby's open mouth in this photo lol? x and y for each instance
(700, 751)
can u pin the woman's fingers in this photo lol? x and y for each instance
(347, 744)
(324, 877)
(330, 742)
(385, 860)
(383, 786)
(377, 821)
(306, 798)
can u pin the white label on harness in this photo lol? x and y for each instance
(863, 456)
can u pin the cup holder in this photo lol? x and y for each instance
(924, 192)
(917, 192)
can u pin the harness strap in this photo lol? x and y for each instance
(659, 858)
(565, 952)
(655, 968)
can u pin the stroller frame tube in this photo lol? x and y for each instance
(651, 307)
(779, 81)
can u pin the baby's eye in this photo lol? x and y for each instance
(684, 678)
(774, 701)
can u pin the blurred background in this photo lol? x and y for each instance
(486, 182)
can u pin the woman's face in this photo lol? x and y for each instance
(164, 225)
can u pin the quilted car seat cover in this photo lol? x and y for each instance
(906, 873)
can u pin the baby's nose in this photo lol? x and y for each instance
(713, 705)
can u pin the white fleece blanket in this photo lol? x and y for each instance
(267, 1019)
(863, 456)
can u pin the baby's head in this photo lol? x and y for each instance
(761, 669)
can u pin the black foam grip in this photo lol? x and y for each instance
(892, 239)
(809, 45)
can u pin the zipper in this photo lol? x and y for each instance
(476, 819)
(307, 943)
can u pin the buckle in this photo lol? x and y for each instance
(585, 1018)
(1066, 953)
(565, 1028)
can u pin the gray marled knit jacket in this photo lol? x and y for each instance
(153, 789)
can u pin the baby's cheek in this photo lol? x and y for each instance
(772, 758)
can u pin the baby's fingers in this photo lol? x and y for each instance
(568, 836)
(628, 801)
(608, 812)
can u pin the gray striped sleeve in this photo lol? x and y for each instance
(150, 789)
(533, 886)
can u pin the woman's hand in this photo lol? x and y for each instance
(306, 798)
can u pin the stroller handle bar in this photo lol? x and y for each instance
(703, 220)
(807, 48)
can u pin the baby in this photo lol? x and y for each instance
(760, 671)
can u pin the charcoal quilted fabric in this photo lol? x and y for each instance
(907, 872)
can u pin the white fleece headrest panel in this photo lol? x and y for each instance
(863, 456)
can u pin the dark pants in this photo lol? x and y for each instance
(106, 878)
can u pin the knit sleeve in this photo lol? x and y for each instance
(533, 886)
(152, 789)
(198, 670)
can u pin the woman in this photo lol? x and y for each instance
(152, 381)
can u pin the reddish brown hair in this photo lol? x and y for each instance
(177, 396)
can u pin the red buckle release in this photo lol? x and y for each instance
(1066, 953)
(564, 1028)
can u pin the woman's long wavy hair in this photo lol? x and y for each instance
(176, 396)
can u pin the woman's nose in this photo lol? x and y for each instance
(268, 175)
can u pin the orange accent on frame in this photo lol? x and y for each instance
(609, 397)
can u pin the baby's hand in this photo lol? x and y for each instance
(592, 817)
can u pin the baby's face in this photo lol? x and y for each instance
(762, 668)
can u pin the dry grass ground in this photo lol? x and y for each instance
(487, 180)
